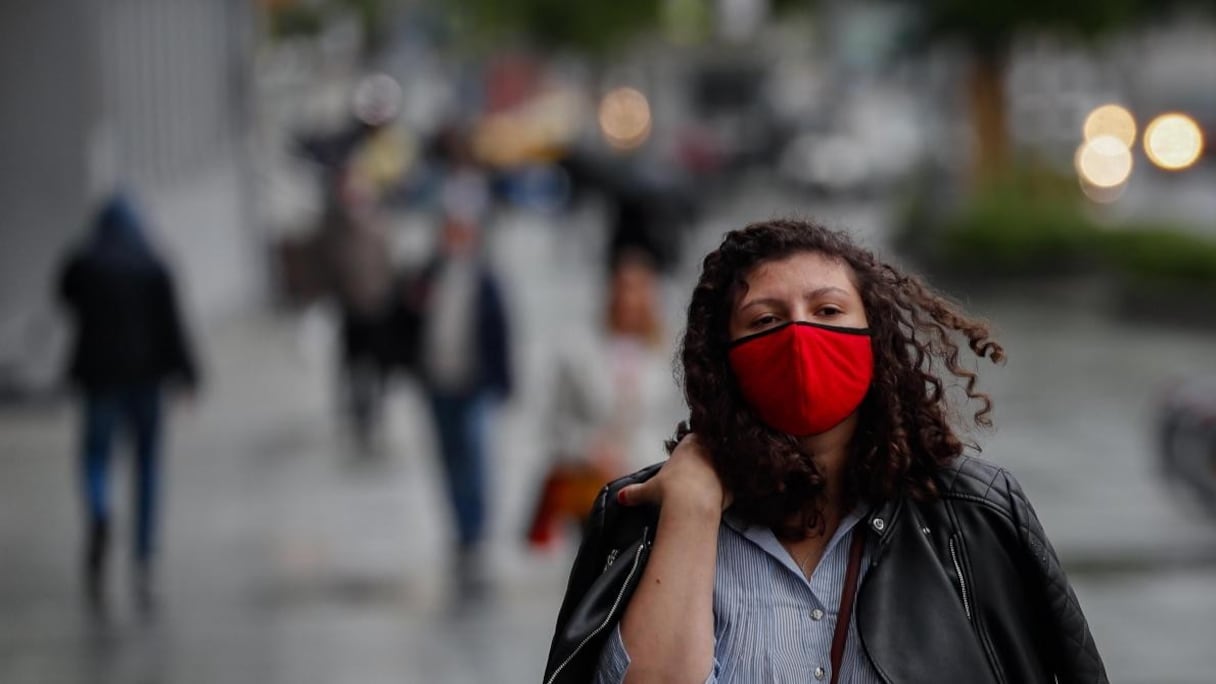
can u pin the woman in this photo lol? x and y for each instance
(612, 399)
(818, 520)
(608, 387)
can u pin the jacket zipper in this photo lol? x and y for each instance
(637, 557)
(962, 581)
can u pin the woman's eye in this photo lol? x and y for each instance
(767, 319)
(828, 311)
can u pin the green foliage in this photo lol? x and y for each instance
(987, 27)
(1003, 233)
(1007, 231)
(1160, 254)
(296, 20)
(591, 25)
(373, 15)
(309, 18)
(594, 26)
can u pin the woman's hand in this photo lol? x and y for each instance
(687, 478)
(668, 628)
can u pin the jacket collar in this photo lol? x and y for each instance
(881, 520)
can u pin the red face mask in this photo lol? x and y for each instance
(804, 378)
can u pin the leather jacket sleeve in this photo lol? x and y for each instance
(582, 574)
(616, 543)
(1074, 655)
(1016, 600)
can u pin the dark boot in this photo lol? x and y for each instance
(96, 550)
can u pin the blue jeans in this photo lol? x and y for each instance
(460, 423)
(137, 409)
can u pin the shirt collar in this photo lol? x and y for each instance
(766, 540)
(850, 520)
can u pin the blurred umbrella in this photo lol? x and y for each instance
(599, 26)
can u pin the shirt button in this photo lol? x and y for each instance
(816, 615)
(879, 524)
(819, 673)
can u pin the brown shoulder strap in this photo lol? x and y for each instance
(845, 615)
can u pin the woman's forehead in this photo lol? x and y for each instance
(805, 271)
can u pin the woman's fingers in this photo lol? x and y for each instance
(635, 494)
(688, 477)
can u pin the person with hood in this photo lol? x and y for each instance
(129, 343)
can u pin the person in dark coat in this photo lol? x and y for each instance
(465, 368)
(130, 342)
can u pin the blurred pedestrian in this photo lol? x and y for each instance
(652, 208)
(130, 343)
(818, 517)
(612, 398)
(353, 253)
(465, 362)
(360, 270)
(609, 385)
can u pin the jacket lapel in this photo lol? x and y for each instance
(899, 626)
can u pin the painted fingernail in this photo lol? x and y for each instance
(620, 496)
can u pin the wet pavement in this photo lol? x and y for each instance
(289, 559)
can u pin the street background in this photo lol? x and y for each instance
(291, 553)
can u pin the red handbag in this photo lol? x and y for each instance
(566, 495)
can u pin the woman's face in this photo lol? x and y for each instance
(632, 299)
(805, 287)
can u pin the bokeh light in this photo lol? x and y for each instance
(377, 99)
(1173, 141)
(1113, 120)
(625, 118)
(1104, 162)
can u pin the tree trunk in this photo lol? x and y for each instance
(986, 95)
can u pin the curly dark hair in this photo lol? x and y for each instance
(904, 433)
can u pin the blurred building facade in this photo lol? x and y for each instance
(148, 95)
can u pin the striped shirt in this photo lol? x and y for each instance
(771, 624)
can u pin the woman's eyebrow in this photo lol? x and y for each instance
(765, 301)
(777, 302)
(830, 289)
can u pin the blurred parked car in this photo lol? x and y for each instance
(1187, 431)
(733, 115)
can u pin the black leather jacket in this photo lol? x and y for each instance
(962, 589)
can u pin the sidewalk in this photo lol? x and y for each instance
(285, 559)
